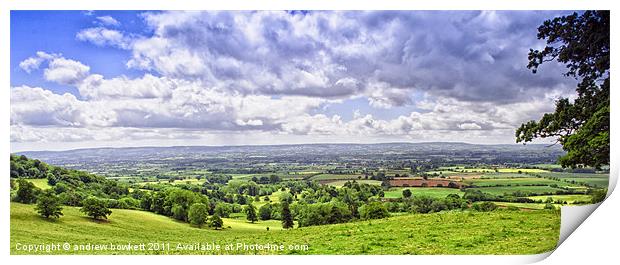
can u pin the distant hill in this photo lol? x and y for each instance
(506, 153)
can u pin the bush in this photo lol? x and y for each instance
(373, 210)
(216, 222)
(598, 195)
(484, 206)
(406, 193)
(438, 206)
(48, 205)
(95, 208)
(421, 204)
(129, 203)
(549, 206)
(198, 214)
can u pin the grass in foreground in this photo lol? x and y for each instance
(498, 232)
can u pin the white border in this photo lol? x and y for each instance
(587, 250)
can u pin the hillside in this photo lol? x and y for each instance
(498, 232)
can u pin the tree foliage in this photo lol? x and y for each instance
(581, 42)
(287, 217)
(406, 193)
(48, 205)
(198, 214)
(250, 212)
(264, 212)
(95, 208)
(26, 191)
(373, 210)
(216, 222)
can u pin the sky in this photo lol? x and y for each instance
(83, 79)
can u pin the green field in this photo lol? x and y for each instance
(504, 175)
(176, 182)
(573, 175)
(40, 183)
(498, 232)
(511, 189)
(489, 170)
(336, 176)
(513, 182)
(415, 191)
(595, 180)
(569, 198)
(530, 206)
(340, 183)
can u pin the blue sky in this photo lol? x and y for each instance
(132, 78)
(54, 32)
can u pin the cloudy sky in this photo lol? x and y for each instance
(89, 79)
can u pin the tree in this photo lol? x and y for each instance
(198, 214)
(223, 209)
(26, 191)
(581, 42)
(264, 212)
(48, 205)
(287, 217)
(250, 212)
(216, 222)
(406, 193)
(373, 210)
(95, 208)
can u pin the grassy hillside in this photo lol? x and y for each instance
(498, 232)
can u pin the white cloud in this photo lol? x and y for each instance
(384, 56)
(108, 21)
(97, 87)
(272, 74)
(33, 63)
(470, 126)
(66, 71)
(104, 37)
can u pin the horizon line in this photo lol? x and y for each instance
(292, 144)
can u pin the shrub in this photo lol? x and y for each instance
(598, 195)
(484, 206)
(216, 222)
(438, 206)
(373, 210)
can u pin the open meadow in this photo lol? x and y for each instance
(498, 232)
